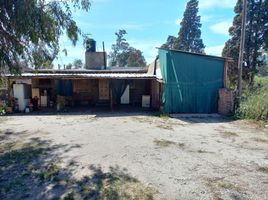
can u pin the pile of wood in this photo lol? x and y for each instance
(226, 102)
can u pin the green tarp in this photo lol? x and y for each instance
(191, 81)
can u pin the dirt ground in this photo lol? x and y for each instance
(152, 157)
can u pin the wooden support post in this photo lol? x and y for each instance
(111, 99)
(226, 73)
(8, 88)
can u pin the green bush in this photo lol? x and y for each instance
(254, 104)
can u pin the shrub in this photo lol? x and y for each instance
(254, 104)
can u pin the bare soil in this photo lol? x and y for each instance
(132, 156)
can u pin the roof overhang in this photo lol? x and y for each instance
(85, 75)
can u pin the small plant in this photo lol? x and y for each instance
(263, 169)
(202, 151)
(254, 104)
(50, 172)
(164, 143)
(229, 186)
(167, 143)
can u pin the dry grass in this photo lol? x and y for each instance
(229, 186)
(215, 186)
(263, 169)
(203, 151)
(165, 126)
(228, 134)
(167, 143)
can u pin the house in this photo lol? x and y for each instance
(177, 82)
(95, 85)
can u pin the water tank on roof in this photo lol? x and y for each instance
(90, 45)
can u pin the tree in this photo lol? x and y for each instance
(256, 26)
(118, 56)
(171, 40)
(136, 59)
(123, 54)
(78, 64)
(265, 11)
(69, 66)
(30, 30)
(189, 38)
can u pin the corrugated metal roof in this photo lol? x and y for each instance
(82, 71)
(86, 75)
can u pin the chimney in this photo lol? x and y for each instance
(94, 60)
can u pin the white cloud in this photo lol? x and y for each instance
(207, 18)
(214, 50)
(205, 4)
(178, 21)
(221, 27)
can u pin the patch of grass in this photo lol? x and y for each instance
(128, 190)
(164, 143)
(111, 185)
(210, 183)
(228, 134)
(229, 186)
(161, 115)
(164, 116)
(215, 186)
(263, 169)
(165, 126)
(50, 172)
(254, 104)
(167, 143)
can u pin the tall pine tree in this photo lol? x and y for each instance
(190, 33)
(256, 27)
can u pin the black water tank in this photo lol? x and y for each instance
(90, 45)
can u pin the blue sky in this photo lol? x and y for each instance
(148, 24)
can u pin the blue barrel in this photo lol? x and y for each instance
(90, 45)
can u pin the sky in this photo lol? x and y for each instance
(148, 24)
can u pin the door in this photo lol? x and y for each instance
(104, 88)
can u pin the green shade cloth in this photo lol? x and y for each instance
(191, 81)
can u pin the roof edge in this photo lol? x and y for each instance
(197, 54)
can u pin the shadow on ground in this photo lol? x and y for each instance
(32, 171)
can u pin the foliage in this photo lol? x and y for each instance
(69, 66)
(78, 64)
(256, 26)
(254, 104)
(30, 31)
(123, 54)
(171, 40)
(135, 58)
(190, 34)
(263, 70)
(189, 37)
